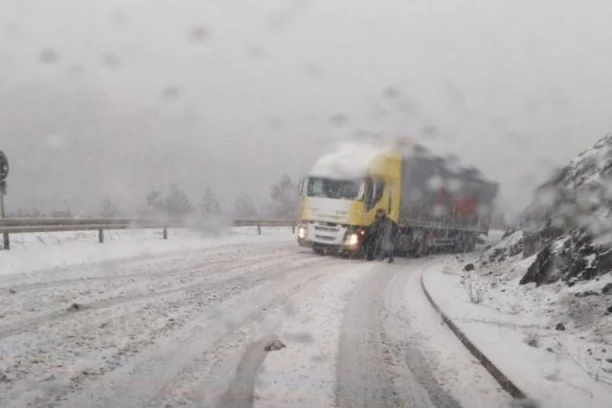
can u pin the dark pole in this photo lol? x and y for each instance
(4, 171)
(7, 242)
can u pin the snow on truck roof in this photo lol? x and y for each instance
(352, 160)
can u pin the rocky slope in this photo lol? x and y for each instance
(551, 274)
(568, 227)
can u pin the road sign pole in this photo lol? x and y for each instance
(4, 171)
(7, 242)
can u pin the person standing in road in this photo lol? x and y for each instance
(371, 243)
(383, 229)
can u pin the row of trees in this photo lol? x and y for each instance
(176, 203)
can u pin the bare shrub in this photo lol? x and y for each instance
(475, 291)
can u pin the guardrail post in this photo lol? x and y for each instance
(293, 228)
(101, 235)
(258, 229)
(165, 233)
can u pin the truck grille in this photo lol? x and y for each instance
(323, 228)
(324, 238)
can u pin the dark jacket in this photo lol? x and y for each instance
(383, 231)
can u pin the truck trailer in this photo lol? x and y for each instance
(436, 202)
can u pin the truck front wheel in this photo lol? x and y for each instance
(319, 250)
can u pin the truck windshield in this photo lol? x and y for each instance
(331, 188)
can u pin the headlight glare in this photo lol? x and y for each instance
(301, 232)
(352, 240)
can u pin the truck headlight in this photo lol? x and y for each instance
(352, 239)
(301, 232)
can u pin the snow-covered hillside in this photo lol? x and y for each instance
(569, 224)
(555, 267)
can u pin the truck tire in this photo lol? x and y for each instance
(467, 243)
(319, 251)
(471, 247)
(419, 250)
(359, 254)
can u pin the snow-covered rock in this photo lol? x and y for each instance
(569, 224)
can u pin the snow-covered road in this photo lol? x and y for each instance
(258, 323)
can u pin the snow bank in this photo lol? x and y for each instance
(30, 252)
(551, 341)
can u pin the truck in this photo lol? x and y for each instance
(437, 203)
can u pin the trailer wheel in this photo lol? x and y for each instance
(419, 249)
(471, 246)
(467, 243)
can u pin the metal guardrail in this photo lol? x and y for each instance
(38, 225)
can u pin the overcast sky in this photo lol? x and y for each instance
(115, 97)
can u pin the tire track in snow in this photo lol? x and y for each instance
(240, 393)
(25, 305)
(411, 373)
(362, 380)
(101, 357)
(375, 367)
(201, 383)
(74, 339)
(227, 277)
(139, 382)
(303, 374)
(218, 254)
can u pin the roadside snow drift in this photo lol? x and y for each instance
(34, 251)
(543, 339)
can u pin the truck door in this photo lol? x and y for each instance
(374, 194)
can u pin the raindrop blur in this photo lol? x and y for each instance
(284, 17)
(313, 71)
(76, 70)
(408, 106)
(48, 56)
(110, 60)
(416, 195)
(439, 210)
(454, 185)
(483, 210)
(455, 96)
(119, 17)
(499, 122)
(338, 120)
(171, 93)
(391, 93)
(275, 123)
(255, 53)
(435, 183)
(199, 33)
(429, 131)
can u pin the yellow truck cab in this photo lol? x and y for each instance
(342, 193)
